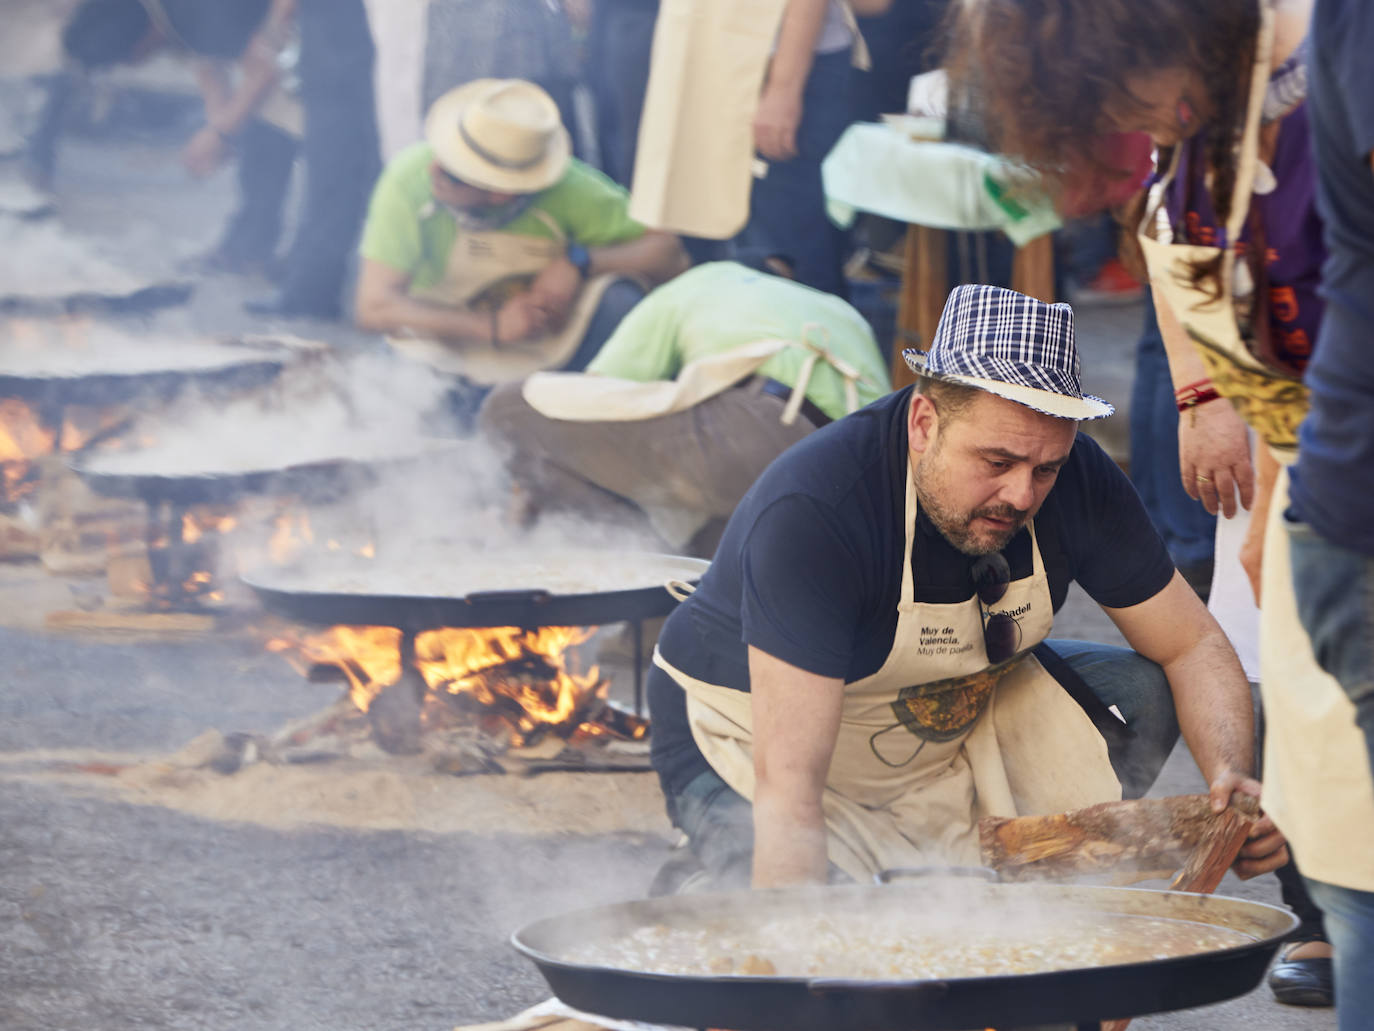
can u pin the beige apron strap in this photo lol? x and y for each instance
(681, 590)
(859, 55)
(817, 352)
(551, 224)
(798, 395)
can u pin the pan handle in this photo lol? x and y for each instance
(912, 991)
(508, 598)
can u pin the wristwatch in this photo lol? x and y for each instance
(580, 258)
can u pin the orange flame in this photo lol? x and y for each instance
(479, 663)
(291, 534)
(490, 668)
(196, 523)
(368, 656)
(23, 438)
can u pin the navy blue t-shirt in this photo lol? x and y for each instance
(809, 568)
(1331, 481)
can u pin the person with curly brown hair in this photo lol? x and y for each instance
(1228, 231)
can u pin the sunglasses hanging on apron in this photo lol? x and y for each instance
(1231, 331)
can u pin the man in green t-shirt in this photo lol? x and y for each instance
(491, 252)
(720, 352)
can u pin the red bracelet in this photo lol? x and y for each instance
(1195, 394)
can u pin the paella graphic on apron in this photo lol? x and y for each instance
(945, 709)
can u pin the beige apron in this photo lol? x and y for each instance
(1273, 404)
(936, 738)
(483, 269)
(1317, 784)
(694, 163)
(577, 397)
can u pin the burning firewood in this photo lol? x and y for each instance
(1135, 839)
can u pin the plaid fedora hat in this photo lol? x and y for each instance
(1013, 346)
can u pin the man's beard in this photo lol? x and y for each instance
(957, 527)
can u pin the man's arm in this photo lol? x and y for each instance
(796, 723)
(780, 104)
(655, 256)
(258, 68)
(1212, 699)
(384, 305)
(228, 109)
(1214, 448)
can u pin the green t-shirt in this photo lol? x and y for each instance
(407, 231)
(721, 306)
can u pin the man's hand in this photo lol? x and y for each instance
(554, 290)
(776, 120)
(1214, 457)
(1264, 849)
(204, 152)
(520, 318)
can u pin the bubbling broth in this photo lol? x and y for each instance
(903, 946)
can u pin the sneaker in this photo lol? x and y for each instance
(1112, 285)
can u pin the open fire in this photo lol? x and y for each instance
(28, 435)
(516, 685)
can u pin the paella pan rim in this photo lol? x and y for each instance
(775, 1003)
(519, 607)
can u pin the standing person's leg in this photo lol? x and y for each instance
(1187, 529)
(1139, 691)
(1350, 924)
(266, 157)
(341, 153)
(618, 69)
(787, 212)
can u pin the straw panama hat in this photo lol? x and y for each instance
(1013, 346)
(499, 134)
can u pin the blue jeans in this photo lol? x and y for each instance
(1188, 531)
(720, 822)
(1350, 927)
(615, 304)
(1334, 590)
(787, 213)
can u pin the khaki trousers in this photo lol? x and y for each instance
(685, 471)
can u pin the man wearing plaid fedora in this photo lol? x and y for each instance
(865, 669)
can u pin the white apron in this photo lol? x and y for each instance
(694, 163)
(577, 397)
(936, 738)
(483, 269)
(1317, 784)
(1272, 403)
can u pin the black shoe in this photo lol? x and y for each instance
(284, 307)
(1303, 982)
